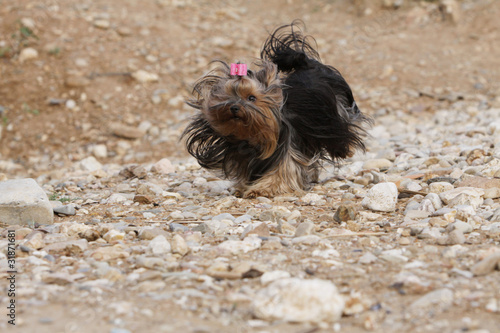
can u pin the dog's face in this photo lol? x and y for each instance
(243, 108)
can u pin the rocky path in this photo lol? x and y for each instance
(107, 226)
(132, 244)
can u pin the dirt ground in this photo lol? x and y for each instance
(57, 106)
(410, 54)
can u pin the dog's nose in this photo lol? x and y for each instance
(234, 109)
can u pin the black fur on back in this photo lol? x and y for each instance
(319, 103)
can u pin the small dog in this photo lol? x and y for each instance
(269, 129)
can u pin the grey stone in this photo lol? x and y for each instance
(305, 228)
(223, 216)
(202, 227)
(177, 227)
(435, 199)
(496, 216)
(367, 258)
(463, 227)
(148, 233)
(440, 299)
(463, 196)
(456, 237)
(125, 131)
(159, 245)
(65, 210)
(243, 218)
(23, 201)
(487, 265)
(179, 245)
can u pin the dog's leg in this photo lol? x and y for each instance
(291, 175)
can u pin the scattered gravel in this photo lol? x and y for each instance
(403, 238)
(172, 221)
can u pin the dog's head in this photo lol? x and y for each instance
(242, 108)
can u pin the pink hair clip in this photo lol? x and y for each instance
(239, 69)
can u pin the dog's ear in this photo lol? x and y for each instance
(268, 74)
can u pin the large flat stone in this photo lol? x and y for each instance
(23, 201)
(479, 182)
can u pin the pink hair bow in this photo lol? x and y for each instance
(239, 69)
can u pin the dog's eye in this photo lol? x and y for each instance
(252, 98)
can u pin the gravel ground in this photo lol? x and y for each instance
(403, 238)
(133, 237)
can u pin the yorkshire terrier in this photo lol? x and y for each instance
(268, 129)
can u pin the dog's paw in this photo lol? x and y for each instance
(252, 195)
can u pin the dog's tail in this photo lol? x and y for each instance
(288, 48)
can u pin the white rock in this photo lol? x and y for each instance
(70, 104)
(222, 42)
(80, 62)
(492, 305)
(143, 76)
(145, 126)
(250, 243)
(394, 255)
(113, 236)
(306, 240)
(163, 166)
(159, 245)
(387, 154)
(429, 233)
(379, 163)
(381, 197)
(351, 168)
(416, 214)
(312, 199)
(23, 201)
(176, 102)
(179, 245)
(90, 164)
(439, 187)
(28, 22)
(411, 186)
(367, 258)
(426, 205)
(76, 228)
(326, 254)
(102, 24)
(199, 181)
(28, 53)
(435, 199)
(438, 299)
(116, 198)
(460, 226)
(100, 151)
(271, 276)
(219, 227)
(218, 186)
(296, 300)
(463, 196)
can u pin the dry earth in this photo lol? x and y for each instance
(107, 79)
